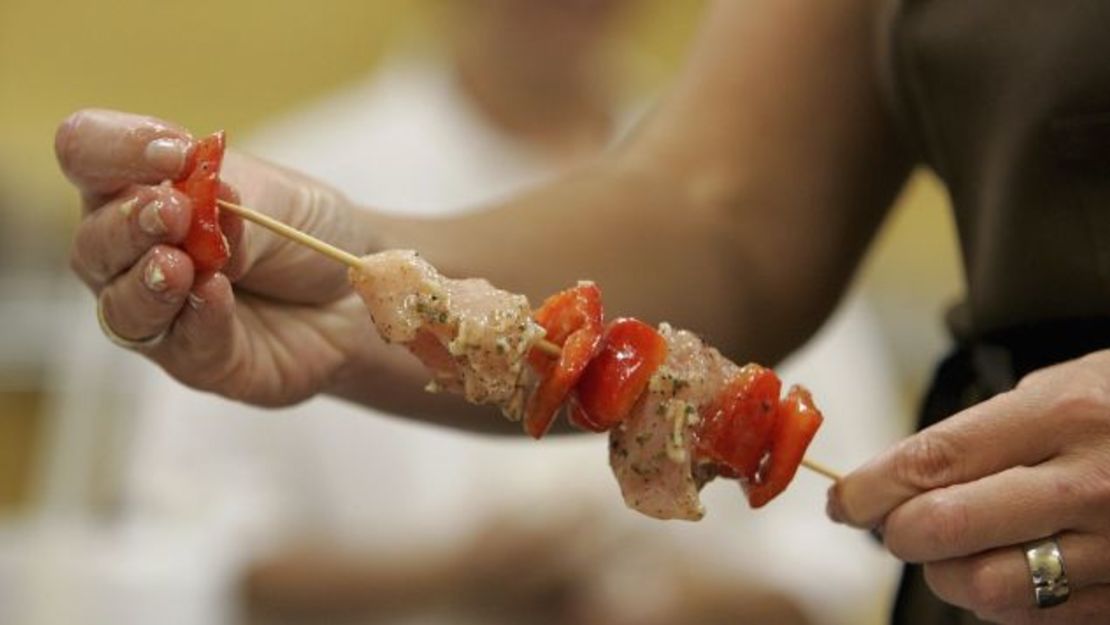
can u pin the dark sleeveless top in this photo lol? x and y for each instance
(1009, 102)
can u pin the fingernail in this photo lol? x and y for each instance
(150, 219)
(153, 277)
(167, 154)
(128, 206)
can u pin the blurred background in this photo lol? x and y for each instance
(89, 456)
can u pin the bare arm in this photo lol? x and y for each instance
(739, 210)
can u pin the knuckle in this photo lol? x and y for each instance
(926, 461)
(1052, 374)
(978, 586)
(1069, 488)
(1095, 360)
(927, 529)
(314, 208)
(77, 266)
(987, 589)
(176, 213)
(1091, 485)
(1033, 379)
(87, 257)
(1083, 397)
(897, 539)
(945, 522)
(938, 579)
(1078, 391)
(309, 204)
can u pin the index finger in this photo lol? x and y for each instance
(1002, 432)
(104, 151)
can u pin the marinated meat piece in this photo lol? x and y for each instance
(472, 337)
(651, 451)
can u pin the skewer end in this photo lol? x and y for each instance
(821, 469)
(548, 348)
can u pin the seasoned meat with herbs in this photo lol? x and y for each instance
(471, 336)
(651, 451)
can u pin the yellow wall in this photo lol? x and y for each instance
(204, 63)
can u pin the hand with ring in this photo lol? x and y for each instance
(1006, 503)
(272, 327)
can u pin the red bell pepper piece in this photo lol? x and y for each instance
(795, 428)
(205, 242)
(736, 428)
(572, 319)
(631, 352)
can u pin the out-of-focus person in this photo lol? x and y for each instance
(324, 507)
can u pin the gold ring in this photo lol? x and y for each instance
(1050, 578)
(135, 344)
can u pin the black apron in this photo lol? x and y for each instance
(1009, 102)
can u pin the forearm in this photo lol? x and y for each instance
(657, 251)
(741, 208)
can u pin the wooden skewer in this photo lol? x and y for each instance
(354, 262)
(821, 469)
(289, 232)
(549, 348)
(329, 250)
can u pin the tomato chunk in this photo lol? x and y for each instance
(572, 319)
(736, 428)
(795, 428)
(631, 352)
(205, 242)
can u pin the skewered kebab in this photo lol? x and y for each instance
(679, 414)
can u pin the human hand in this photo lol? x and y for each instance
(273, 327)
(963, 496)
